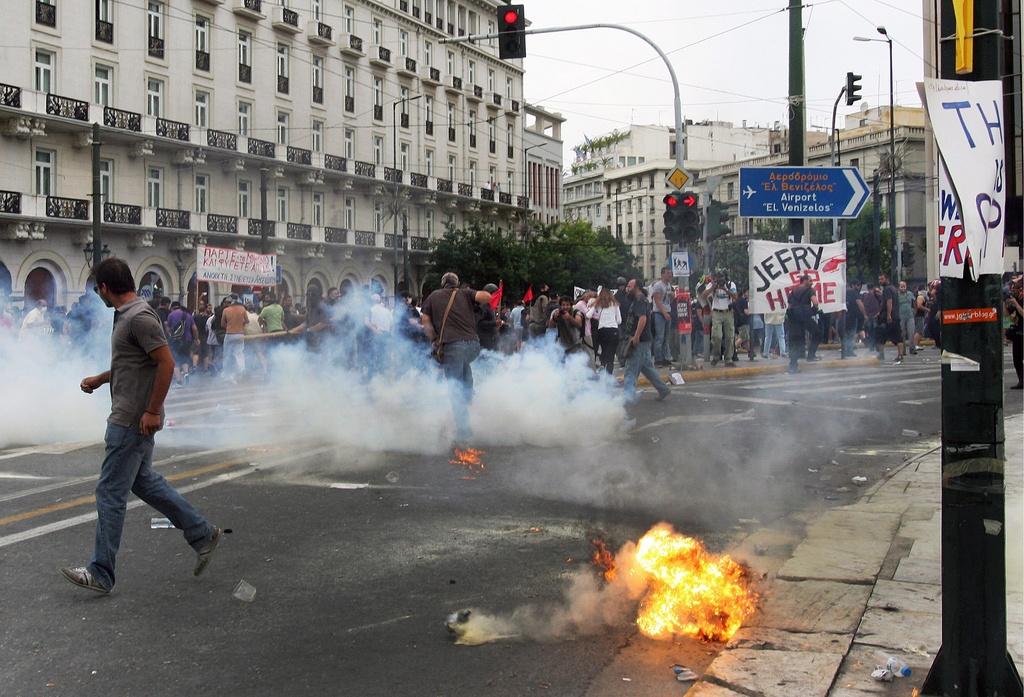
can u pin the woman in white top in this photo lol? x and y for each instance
(606, 312)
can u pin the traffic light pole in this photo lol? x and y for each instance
(680, 139)
(973, 659)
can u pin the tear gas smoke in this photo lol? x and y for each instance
(668, 583)
(40, 376)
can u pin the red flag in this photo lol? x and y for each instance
(528, 298)
(496, 295)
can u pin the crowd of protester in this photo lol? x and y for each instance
(231, 339)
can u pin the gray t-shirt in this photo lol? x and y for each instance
(137, 332)
(667, 296)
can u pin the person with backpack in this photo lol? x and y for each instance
(182, 334)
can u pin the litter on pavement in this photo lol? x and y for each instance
(860, 480)
(911, 433)
(244, 591)
(684, 674)
(160, 523)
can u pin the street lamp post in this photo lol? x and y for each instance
(394, 157)
(897, 252)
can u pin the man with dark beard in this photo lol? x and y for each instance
(140, 373)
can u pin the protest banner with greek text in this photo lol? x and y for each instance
(235, 266)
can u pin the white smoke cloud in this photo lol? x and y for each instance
(40, 377)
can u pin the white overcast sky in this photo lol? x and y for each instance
(742, 73)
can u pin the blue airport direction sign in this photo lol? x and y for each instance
(801, 192)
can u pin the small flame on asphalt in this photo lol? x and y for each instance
(469, 458)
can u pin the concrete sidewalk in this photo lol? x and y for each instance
(862, 584)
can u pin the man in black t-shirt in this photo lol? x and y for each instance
(639, 359)
(888, 327)
(851, 321)
(800, 319)
(455, 341)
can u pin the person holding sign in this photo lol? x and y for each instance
(803, 304)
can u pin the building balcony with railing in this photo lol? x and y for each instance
(320, 34)
(104, 31)
(285, 19)
(351, 45)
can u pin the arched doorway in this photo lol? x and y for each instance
(347, 286)
(151, 286)
(315, 285)
(5, 283)
(40, 285)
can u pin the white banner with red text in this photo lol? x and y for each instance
(235, 266)
(776, 268)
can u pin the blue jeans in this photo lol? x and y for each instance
(640, 362)
(661, 348)
(128, 466)
(772, 331)
(458, 357)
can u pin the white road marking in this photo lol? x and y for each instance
(861, 386)
(50, 449)
(713, 419)
(393, 620)
(779, 402)
(59, 525)
(91, 478)
(19, 475)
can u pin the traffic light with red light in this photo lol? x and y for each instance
(511, 24)
(682, 217)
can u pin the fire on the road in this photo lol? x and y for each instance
(690, 592)
(468, 458)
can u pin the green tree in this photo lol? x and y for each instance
(561, 255)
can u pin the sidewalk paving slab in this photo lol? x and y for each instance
(813, 606)
(854, 679)
(772, 673)
(843, 545)
(781, 640)
(706, 689)
(899, 596)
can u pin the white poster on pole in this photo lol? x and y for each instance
(235, 266)
(967, 119)
(776, 267)
(952, 240)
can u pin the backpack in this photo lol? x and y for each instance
(178, 333)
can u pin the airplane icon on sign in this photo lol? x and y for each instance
(749, 192)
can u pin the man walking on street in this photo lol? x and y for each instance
(140, 373)
(661, 295)
(907, 300)
(851, 320)
(888, 325)
(639, 359)
(449, 323)
(802, 306)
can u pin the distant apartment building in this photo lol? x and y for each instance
(542, 143)
(618, 180)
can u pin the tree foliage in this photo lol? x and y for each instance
(562, 255)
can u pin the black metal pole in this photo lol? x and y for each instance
(97, 198)
(876, 225)
(835, 153)
(897, 249)
(973, 659)
(796, 100)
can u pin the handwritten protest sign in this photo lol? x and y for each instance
(776, 268)
(235, 266)
(967, 118)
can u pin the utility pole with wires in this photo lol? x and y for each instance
(797, 102)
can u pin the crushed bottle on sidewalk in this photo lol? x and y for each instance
(684, 674)
(244, 591)
(160, 523)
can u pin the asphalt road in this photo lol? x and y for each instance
(353, 583)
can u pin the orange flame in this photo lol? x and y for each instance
(603, 559)
(690, 591)
(468, 458)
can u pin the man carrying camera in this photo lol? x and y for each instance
(721, 294)
(568, 324)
